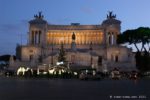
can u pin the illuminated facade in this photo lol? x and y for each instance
(94, 45)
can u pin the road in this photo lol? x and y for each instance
(73, 89)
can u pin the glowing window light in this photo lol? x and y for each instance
(69, 72)
(44, 73)
(21, 70)
(27, 69)
(38, 72)
(51, 71)
(59, 63)
(55, 73)
(75, 73)
(59, 72)
(86, 71)
(94, 73)
(63, 70)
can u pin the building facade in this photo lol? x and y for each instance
(85, 45)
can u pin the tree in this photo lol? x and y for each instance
(4, 60)
(136, 36)
(61, 57)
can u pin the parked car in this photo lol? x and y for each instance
(89, 74)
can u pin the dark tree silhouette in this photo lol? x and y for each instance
(6, 58)
(136, 36)
(61, 57)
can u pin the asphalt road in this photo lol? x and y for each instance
(73, 89)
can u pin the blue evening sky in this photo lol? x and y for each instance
(15, 14)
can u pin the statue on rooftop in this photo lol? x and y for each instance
(39, 16)
(111, 15)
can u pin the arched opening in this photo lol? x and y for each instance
(109, 38)
(73, 58)
(116, 58)
(112, 38)
(99, 60)
(31, 57)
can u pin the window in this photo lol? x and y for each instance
(116, 58)
(36, 37)
(39, 38)
(30, 57)
(112, 58)
(32, 37)
(109, 38)
(129, 55)
(72, 58)
(99, 60)
(112, 38)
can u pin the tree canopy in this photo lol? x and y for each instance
(61, 57)
(6, 58)
(135, 36)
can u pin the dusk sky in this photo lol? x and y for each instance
(15, 14)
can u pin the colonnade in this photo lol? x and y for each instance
(36, 37)
(111, 38)
(81, 37)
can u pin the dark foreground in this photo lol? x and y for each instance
(73, 89)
